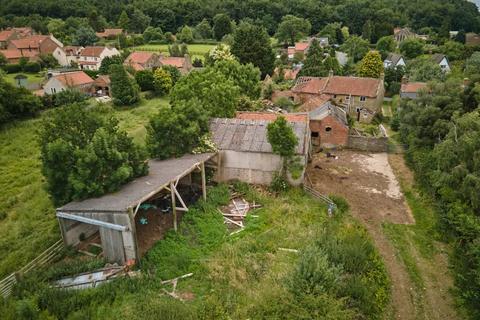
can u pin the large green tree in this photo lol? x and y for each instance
(356, 47)
(85, 36)
(217, 95)
(125, 90)
(246, 77)
(313, 65)
(251, 44)
(292, 29)
(424, 69)
(371, 65)
(16, 102)
(84, 154)
(386, 45)
(412, 47)
(222, 25)
(176, 130)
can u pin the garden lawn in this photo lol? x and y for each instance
(27, 216)
(32, 78)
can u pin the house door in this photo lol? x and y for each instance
(358, 114)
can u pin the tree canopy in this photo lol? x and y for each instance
(371, 65)
(251, 44)
(84, 154)
(292, 29)
(125, 90)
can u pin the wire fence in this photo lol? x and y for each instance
(46, 257)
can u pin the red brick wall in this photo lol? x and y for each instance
(336, 137)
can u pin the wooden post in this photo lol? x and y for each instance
(174, 206)
(204, 182)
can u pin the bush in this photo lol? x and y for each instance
(69, 96)
(32, 67)
(279, 183)
(12, 68)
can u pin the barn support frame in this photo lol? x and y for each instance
(116, 223)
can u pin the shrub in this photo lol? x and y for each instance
(12, 68)
(32, 67)
(279, 183)
(69, 96)
(145, 79)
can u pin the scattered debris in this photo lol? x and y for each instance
(95, 278)
(235, 213)
(288, 250)
(174, 282)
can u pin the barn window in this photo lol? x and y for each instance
(328, 129)
(363, 99)
(315, 134)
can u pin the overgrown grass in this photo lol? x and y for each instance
(27, 216)
(238, 277)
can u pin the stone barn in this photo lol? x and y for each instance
(244, 151)
(126, 223)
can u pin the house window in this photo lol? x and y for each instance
(315, 134)
(334, 96)
(363, 99)
(347, 98)
(328, 129)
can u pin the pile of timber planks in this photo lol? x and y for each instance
(234, 214)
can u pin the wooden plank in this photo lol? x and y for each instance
(92, 221)
(174, 206)
(204, 182)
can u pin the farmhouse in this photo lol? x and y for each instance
(244, 151)
(13, 55)
(361, 98)
(128, 222)
(183, 64)
(6, 36)
(36, 44)
(91, 57)
(394, 60)
(141, 60)
(78, 80)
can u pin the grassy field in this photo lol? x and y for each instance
(32, 78)
(195, 50)
(27, 218)
(336, 273)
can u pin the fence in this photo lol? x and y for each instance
(319, 196)
(7, 284)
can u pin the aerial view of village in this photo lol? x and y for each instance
(254, 159)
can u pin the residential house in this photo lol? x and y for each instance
(6, 36)
(183, 64)
(14, 55)
(109, 33)
(23, 32)
(35, 45)
(472, 39)
(442, 61)
(67, 56)
(328, 126)
(78, 80)
(401, 34)
(303, 46)
(141, 60)
(410, 90)
(361, 98)
(244, 150)
(91, 57)
(394, 60)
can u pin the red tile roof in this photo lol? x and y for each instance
(73, 79)
(72, 50)
(412, 87)
(173, 61)
(6, 34)
(314, 103)
(103, 80)
(17, 54)
(355, 86)
(313, 85)
(92, 51)
(29, 42)
(139, 57)
(266, 116)
(301, 46)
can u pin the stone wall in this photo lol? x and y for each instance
(370, 144)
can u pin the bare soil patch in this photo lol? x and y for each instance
(366, 180)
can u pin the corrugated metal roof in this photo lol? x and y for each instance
(251, 135)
